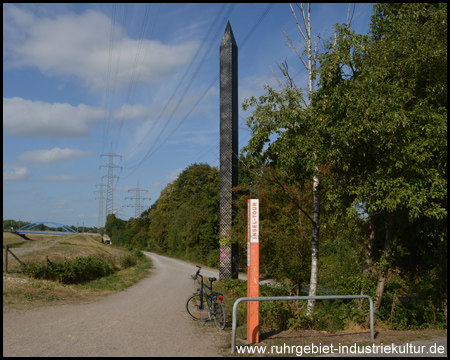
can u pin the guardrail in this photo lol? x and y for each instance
(274, 298)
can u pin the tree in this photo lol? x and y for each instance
(185, 220)
(287, 115)
(284, 233)
(383, 100)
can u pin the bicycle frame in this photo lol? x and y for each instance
(204, 295)
(214, 303)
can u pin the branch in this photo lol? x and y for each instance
(285, 71)
(298, 25)
(282, 187)
(279, 81)
(295, 50)
(289, 195)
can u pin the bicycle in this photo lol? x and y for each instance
(203, 306)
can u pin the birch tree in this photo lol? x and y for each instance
(288, 115)
(311, 52)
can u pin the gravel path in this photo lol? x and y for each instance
(148, 319)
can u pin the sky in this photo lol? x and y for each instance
(140, 81)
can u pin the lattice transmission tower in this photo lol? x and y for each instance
(139, 207)
(100, 204)
(110, 184)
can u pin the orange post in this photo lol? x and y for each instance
(253, 270)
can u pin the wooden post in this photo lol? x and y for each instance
(6, 258)
(20, 262)
(253, 270)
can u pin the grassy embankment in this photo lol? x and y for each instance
(19, 291)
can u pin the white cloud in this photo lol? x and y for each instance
(79, 45)
(36, 118)
(133, 112)
(61, 178)
(16, 174)
(53, 155)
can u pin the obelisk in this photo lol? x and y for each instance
(228, 151)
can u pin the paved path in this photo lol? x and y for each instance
(148, 319)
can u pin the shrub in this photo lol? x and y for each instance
(128, 261)
(71, 271)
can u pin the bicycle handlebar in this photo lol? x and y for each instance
(197, 273)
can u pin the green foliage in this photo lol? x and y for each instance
(128, 261)
(185, 221)
(376, 132)
(139, 254)
(383, 102)
(330, 315)
(285, 232)
(71, 271)
(411, 313)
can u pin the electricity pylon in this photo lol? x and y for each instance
(100, 205)
(138, 208)
(110, 185)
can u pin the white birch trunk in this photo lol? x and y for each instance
(312, 58)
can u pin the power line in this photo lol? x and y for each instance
(124, 110)
(250, 33)
(133, 72)
(214, 23)
(149, 153)
(108, 76)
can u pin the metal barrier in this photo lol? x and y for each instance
(272, 298)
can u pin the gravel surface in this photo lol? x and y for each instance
(148, 319)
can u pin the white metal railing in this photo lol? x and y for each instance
(274, 298)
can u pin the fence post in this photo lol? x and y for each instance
(20, 262)
(6, 259)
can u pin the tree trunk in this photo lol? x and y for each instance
(314, 247)
(368, 254)
(384, 267)
(443, 261)
(310, 66)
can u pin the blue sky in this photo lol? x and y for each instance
(140, 79)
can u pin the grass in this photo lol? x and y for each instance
(21, 292)
(11, 238)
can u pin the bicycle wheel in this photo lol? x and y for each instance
(195, 310)
(220, 317)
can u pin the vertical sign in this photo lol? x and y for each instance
(253, 270)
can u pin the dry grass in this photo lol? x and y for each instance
(20, 292)
(58, 248)
(11, 238)
(353, 326)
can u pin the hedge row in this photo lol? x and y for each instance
(77, 270)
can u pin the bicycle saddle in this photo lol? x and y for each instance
(211, 279)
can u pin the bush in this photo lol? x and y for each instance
(139, 253)
(128, 261)
(71, 271)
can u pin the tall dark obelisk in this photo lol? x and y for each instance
(228, 151)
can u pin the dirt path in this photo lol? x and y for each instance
(148, 319)
(34, 246)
